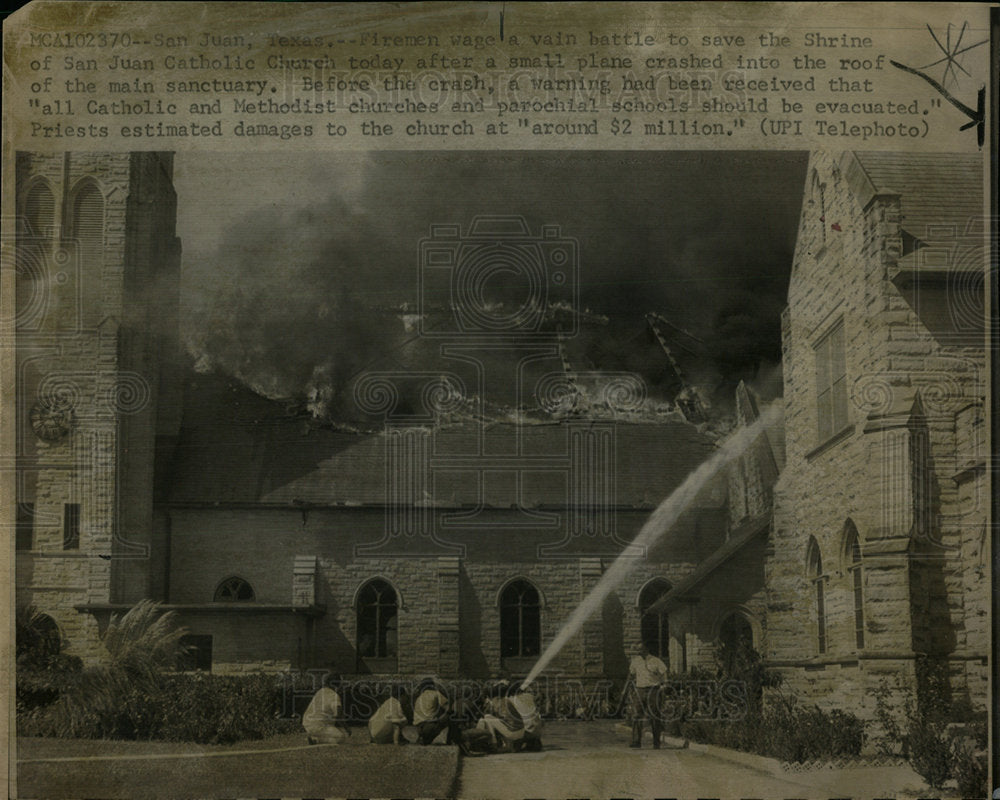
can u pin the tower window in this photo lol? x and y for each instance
(71, 526)
(831, 383)
(88, 233)
(520, 621)
(234, 590)
(654, 627)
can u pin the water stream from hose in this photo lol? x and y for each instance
(659, 522)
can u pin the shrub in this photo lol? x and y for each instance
(929, 751)
(890, 738)
(780, 729)
(42, 671)
(107, 700)
(136, 694)
(216, 709)
(968, 754)
(968, 767)
(179, 707)
(784, 731)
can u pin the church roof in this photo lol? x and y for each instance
(940, 193)
(237, 447)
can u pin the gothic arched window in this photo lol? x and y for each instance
(378, 610)
(38, 213)
(736, 632)
(815, 571)
(34, 246)
(234, 590)
(520, 620)
(852, 554)
(654, 628)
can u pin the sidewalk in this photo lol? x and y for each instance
(284, 766)
(582, 759)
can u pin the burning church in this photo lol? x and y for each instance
(456, 501)
(450, 526)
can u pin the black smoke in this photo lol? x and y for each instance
(296, 295)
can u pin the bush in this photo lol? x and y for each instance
(784, 731)
(37, 688)
(968, 767)
(135, 694)
(941, 736)
(42, 671)
(780, 729)
(929, 751)
(180, 707)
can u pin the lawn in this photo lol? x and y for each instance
(276, 767)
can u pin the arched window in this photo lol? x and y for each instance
(815, 572)
(38, 216)
(520, 621)
(654, 628)
(736, 632)
(852, 557)
(378, 611)
(234, 590)
(88, 237)
(736, 650)
(34, 245)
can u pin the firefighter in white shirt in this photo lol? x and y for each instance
(647, 673)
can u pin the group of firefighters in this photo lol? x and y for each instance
(508, 720)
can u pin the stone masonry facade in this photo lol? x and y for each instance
(95, 235)
(851, 540)
(902, 470)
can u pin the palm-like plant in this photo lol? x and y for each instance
(107, 699)
(145, 640)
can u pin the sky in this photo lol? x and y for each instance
(290, 261)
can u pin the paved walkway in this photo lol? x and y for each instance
(279, 767)
(580, 759)
(593, 760)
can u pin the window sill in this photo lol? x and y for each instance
(58, 553)
(838, 437)
(518, 665)
(378, 666)
(242, 608)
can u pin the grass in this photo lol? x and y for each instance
(355, 769)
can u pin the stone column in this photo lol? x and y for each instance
(304, 581)
(449, 651)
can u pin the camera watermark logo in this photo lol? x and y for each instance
(498, 301)
(48, 280)
(499, 280)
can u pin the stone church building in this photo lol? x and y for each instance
(844, 543)
(864, 542)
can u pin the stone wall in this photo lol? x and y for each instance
(890, 473)
(73, 345)
(449, 618)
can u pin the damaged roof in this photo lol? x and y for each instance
(237, 447)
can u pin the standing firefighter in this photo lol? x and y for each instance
(647, 673)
